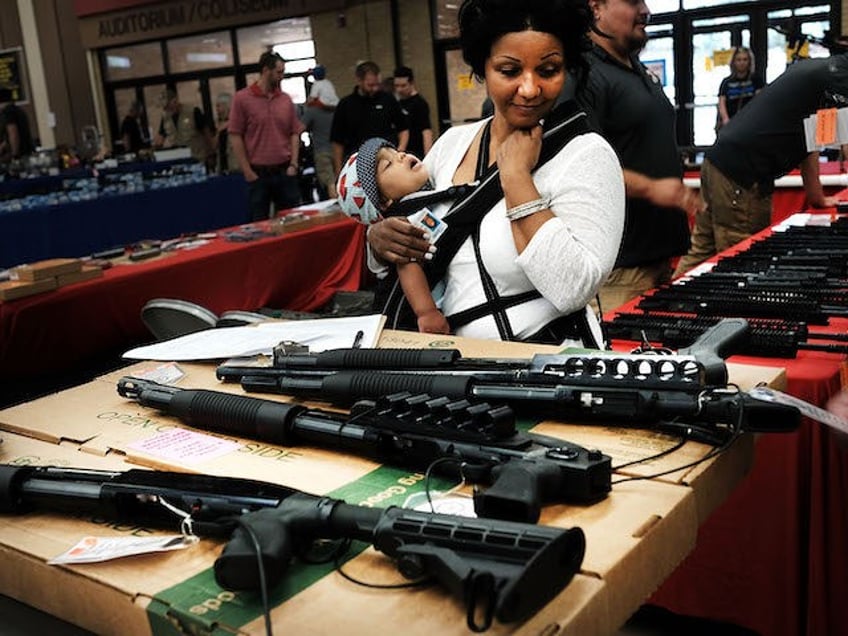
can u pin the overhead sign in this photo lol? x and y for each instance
(181, 17)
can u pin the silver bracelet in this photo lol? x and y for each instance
(526, 209)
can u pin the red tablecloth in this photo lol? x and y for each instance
(58, 330)
(774, 556)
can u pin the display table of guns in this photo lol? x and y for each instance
(789, 284)
(436, 485)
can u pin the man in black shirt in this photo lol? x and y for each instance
(366, 112)
(416, 110)
(765, 140)
(15, 134)
(131, 129)
(628, 107)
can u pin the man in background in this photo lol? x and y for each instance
(318, 120)
(323, 92)
(265, 133)
(629, 108)
(132, 134)
(182, 125)
(417, 112)
(15, 134)
(367, 112)
(762, 142)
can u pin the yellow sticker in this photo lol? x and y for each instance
(722, 57)
(464, 82)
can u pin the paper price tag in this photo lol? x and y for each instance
(826, 126)
(97, 549)
(807, 409)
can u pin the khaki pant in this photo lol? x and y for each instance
(626, 283)
(326, 175)
(733, 213)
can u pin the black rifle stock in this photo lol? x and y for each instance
(474, 441)
(500, 569)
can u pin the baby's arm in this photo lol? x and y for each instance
(417, 292)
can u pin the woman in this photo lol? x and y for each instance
(225, 159)
(738, 88)
(557, 228)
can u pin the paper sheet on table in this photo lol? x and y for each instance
(230, 342)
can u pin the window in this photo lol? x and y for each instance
(198, 52)
(663, 6)
(700, 4)
(256, 40)
(131, 62)
(446, 15)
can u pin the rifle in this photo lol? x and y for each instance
(773, 338)
(820, 289)
(618, 389)
(701, 364)
(499, 569)
(479, 443)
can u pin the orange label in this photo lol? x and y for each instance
(826, 126)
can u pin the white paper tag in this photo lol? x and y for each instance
(809, 410)
(97, 549)
(168, 373)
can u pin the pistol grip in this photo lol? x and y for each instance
(237, 567)
(516, 492)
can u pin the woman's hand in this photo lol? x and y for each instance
(396, 240)
(518, 154)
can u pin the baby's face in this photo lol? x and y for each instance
(399, 174)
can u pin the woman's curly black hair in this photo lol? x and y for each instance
(482, 22)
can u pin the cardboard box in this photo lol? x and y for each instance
(47, 269)
(12, 289)
(635, 537)
(88, 272)
(149, 594)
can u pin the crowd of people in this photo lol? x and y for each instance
(572, 174)
(534, 264)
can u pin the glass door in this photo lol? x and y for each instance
(794, 35)
(690, 51)
(713, 43)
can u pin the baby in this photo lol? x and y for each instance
(373, 179)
